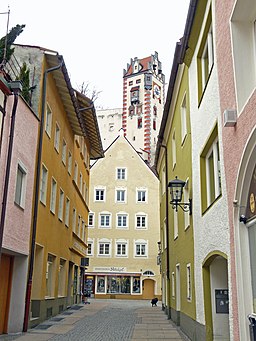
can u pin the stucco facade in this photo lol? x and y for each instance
(124, 226)
(17, 193)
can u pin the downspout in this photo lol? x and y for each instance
(36, 197)
(2, 125)
(16, 92)
(167, 231)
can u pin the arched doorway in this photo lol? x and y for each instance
(216, 297)
(148, 286)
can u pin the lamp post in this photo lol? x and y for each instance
(176, 190)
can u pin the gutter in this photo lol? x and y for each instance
(36, 198)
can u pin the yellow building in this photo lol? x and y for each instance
(69, 137)
(123, 226)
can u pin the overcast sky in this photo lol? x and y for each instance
(98, 38)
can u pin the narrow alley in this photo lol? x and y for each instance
(105, 320)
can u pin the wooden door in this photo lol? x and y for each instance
(148, 289)
(5, 288)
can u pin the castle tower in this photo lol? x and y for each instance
(143, 102)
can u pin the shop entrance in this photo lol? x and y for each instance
(148, 289)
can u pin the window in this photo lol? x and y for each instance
(189, 289)
(183, 114)
(138, 81)
(122, 220)
(67, 212)
(64, 152)
(53, 196)
(90, 247)
(104, 220)
(91, 220)
(141, 221)
(76, 172)
(50, 276)
(20, 186)
(83, 231)
(104, 249)
(74, 220)
(136, 285)
(139, 123)
(121, 173)
(69, 162)
(43, 185)
(119, 284)
(81, 182)
(205, 58)
(141, 248)
(148, 273)
(210, 171)
(141, 195)
(173, 150)
(121, 248)
(101, 284)
(173, 285)
(131, 82)
(111, 126)
(61, 205)
(99, 194)
(57, 137)
(154, 124)
(48, 121)
(62, 278)
(78, 225)
(121, 195)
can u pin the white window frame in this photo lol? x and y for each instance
(207, 57)
(43, 184)
(69, 162)
(48, 120)
(140, 226)
(67, 211)
(141, 243)
(91, 214)
(61, 204)
(91, 242)
(214, 151)
(122, 215)
(183, 114)
(122, 243)
(57, 137)
(53, 195)
(104, 242)
(138, 196)
(20, 189)
(64, 152)
(105, 215)
(174, 150)
(121, 193)
(189, 283)
(121, 173)
(103, 191)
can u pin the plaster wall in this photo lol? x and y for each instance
(211, 230)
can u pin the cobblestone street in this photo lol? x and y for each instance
(105, 320)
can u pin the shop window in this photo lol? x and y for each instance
(50, 276)
(136, 288)
(119, 284)
(101, 284)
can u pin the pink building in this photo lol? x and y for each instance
(236, 48)
(16, 202)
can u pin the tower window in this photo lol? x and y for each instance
(139, 122)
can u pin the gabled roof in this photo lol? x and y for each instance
(144, 64)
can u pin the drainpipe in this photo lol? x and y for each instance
(167, 225)
(2, 126)
(16, 88)
(36, 198)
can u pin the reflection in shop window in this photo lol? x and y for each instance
(101, 284)
(136, 285)
(119, 285)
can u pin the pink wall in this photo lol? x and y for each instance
(234, 138)
(18, 221)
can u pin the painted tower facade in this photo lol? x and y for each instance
(143, 100)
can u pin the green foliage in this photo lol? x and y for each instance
(11, 36)
(24, 78)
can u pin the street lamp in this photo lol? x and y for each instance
(176, 191)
